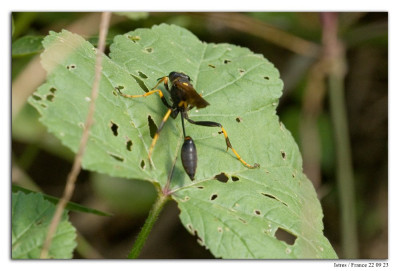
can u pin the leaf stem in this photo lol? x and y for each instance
(148, 225)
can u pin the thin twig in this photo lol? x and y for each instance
(72, 176)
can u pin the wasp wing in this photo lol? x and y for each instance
(192, 97)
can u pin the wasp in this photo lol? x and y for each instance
(184, 97)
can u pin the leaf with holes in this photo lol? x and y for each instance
(31, 215)
(236, 212)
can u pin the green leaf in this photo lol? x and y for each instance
(72, 206)
(235, 211)
(31, 216)
(27, 45)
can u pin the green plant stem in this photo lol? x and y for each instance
(335, 57)
(148, 225)
(344, 171)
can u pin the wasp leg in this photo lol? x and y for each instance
(157, 134)
(163, 79)
(228, 143)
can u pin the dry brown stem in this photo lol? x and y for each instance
(72, 176)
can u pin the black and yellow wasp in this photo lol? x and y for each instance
(184, 98)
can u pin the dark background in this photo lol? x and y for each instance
(294, 43)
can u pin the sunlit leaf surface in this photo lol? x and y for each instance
(236, 212)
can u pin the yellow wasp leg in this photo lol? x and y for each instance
(157, 134)
(229, 145)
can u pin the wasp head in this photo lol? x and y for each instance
(178, 75)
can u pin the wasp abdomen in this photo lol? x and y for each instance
(189, 157)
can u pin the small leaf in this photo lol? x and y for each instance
(70, 205)
(31, 216)
(27, 45)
